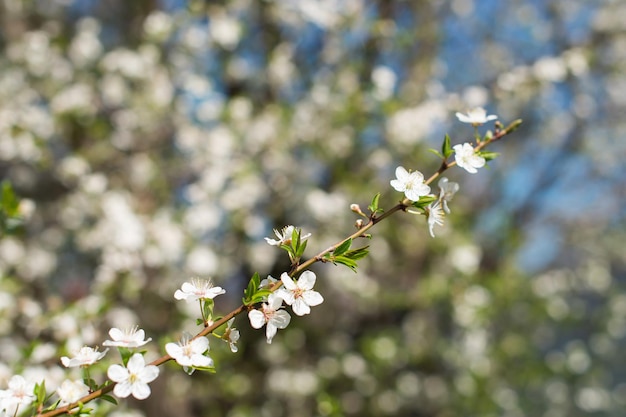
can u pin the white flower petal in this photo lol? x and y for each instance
(281, 319)
(199, 345)
(402, 174)
(287, 296)
(173, 349)
(257, 318)
(313, 298)
(307, 280)
(270, 332)
(288, 281)
(149, 373)
(117, 373)
(300, 307)
(123, 389)
(116, 334)
(136, 363)
(140, 391)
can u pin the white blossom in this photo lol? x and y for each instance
(198, 289)
(447, 190)
(71, 391)
(84, 357)
(435, 216)
(270, 315)
(20, 392)
(299, 294)
(268, 282)
(467, 159)
(284, 236)
(134, 378)
(475, 117)
(128, 338)
(190, 353)
(231, 335)
(411, 184)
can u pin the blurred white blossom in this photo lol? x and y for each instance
(71, 391)
(198, 289)
(128, 338)
(84, 357)
(476, 116)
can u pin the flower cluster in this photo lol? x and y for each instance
(131, 379)
(298, 294)
(414, 187)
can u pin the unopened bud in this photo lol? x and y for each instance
(358, 223)
(357, 209)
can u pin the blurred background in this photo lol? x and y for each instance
(153, 141)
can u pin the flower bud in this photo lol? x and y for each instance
(357, 209)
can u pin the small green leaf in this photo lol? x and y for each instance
(348, 258)
(253, 286)
(345, 261)
(40, 392)
(210, 369)
(259, 297)
(207, 308)
(436, 152)
(295, 239)
(373, 207)
(125, 353)
(301, 249)
(357, 254)
(488, 155)
(109, 398)
(424, 201)
(446, 150)
(341, 249)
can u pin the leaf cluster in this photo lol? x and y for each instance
(344, 256)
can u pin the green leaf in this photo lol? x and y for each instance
(373, 207)
(488, 155)
(109, 398)
(436, 152)
(348, 258)
(40, 392)
(253, 287)
(345, 261)
(91, 383)
(125, 353)
(295, 239)
(205, 369)
(424, 201)
(207, 308)
(343, 247)
(446, 150)
(259, 296)
(357, 254)
(301, 249)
